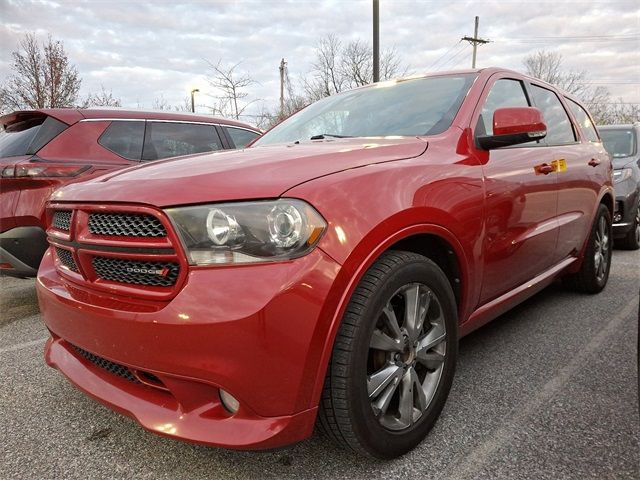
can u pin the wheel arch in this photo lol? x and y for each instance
(607, 199)
(433, 241)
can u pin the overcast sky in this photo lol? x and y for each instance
(146, 50)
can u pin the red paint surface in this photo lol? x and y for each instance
(265, 332)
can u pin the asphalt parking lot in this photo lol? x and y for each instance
(548, 390)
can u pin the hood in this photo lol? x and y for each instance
(253, 173)
(621, 162)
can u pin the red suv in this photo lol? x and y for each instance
(324, 275)
(41, 150)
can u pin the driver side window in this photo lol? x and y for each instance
(504, 93)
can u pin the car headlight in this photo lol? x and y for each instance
(621, 175)
(247, 232)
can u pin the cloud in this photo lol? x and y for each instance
(143, 50)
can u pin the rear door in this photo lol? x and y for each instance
(165, 139)
(520, 207)
(578, 189)
(590, 168)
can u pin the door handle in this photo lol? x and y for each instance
(594, 162)
(544, 169)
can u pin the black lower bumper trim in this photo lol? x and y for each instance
(23, 248)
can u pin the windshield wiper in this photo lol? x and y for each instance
(325, 135)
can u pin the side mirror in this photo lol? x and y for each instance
(512, 126)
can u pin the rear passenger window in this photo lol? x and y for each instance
(241, 138)
(124, 138)
(504, 93)
(584, 121)
(26, 133)
(49, 130)
(169, 139)
(559, 127)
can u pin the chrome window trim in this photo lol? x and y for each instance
(240, 128)
(167, 121)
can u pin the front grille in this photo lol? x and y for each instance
(66, 258)
(109, 366)
(126, 225)
(62, 220)
(152, 274)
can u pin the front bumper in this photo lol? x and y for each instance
(251, 330)
(624, 214)
(22, 248)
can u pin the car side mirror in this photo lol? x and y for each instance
(514, 125)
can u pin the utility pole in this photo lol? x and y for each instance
(282, 67)
(475, 41)
(376, 41)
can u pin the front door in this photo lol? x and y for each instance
(521, 228)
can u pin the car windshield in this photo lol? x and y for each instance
(419, 106)
(619, 142)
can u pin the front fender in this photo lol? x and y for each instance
(412, 199)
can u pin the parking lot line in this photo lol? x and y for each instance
(20, 346)
(473, 462)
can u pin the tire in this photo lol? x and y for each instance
(632, 240)
(386, 384)
(594, 272)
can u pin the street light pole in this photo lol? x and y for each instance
(193, 104)
(376, 41)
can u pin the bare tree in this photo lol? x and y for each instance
(548, 66)
(161, 103)
(339, 67)
(325, 77)
(231, 85)
(616, 112)
(103, 98)
(42, 76)
(184, 106)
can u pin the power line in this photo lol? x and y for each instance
(458, 53)
(618, 35)
(458, 43)
(608, 83)
(463, 59)
(567, 40)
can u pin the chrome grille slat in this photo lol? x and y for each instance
(126, 225)
(66, 258)
(62, 220)
(136, 272)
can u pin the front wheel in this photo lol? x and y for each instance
(594, 272)
(394, 358)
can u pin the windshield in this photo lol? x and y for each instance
(619, 142)
(419, 106)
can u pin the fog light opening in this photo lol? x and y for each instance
(229, 402)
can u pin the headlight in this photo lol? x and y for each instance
(247, 232)
(621, 175)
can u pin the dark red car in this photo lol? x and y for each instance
(41, 150)
(324, 275)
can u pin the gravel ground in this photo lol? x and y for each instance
(548, 390)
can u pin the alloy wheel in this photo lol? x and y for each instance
(406, 356)
(602, 250)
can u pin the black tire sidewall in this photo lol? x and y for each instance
(588, 266)
(381, 442)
